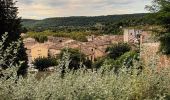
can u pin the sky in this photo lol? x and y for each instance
(40, 9)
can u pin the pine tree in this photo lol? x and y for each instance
(11, 23)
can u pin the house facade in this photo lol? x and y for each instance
(39, 50)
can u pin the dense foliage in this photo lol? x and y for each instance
(118, 55)
(118, 49)
(10, 22)
(100, 24)
(42, 36)
(43, 63)
(127, 58)
(8, 56)
(75, 21)
(160, 12)
(77, 59)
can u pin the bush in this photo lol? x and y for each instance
(124, 60)
(99, 62)
(42, 63)
(40, 38)
(165, 41)
(9, 56)
(128, 58)
(76, 59)
(116, 50)
(85, 85)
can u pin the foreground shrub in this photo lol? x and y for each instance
(9, 56)
(83, 84)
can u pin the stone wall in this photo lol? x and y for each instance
(150, 55)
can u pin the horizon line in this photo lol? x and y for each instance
(85, 16)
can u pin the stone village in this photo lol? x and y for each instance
(95, 47)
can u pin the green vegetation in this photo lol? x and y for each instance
(118, 76)
(42, 36)
(100, 24)
(78, 28)
(127, 58)
(75, 21)
(131, 84)
(118, 49)
(42, 63)
(8, 56)
(77, 59)
(99, 62)
(11, 23)
(118, 55)
(161, 15)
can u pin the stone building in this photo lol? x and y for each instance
(55, 49)
(150, 56)
(39, 50)
(131, 35)
(96, 45)
(93, 49)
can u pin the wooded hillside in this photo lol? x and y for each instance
(85, 23)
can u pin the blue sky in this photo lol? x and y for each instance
(39, 9)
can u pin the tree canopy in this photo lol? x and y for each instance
(11, 23)
(76, 58)
(160, 12)
(116, 50)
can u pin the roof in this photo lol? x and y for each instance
(40, 45)
(59, 39)
(87, 51)
(29, 40)
(57, 46)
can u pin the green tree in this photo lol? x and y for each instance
(76, 58)
(160, 12)
(10, 22)
(42, 63)
(127, 59)
(41, 38)
(118, 49)
(99, 62)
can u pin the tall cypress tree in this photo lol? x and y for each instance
(11, 23)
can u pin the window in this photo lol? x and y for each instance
(60, 41)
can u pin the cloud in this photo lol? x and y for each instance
(55, 8)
